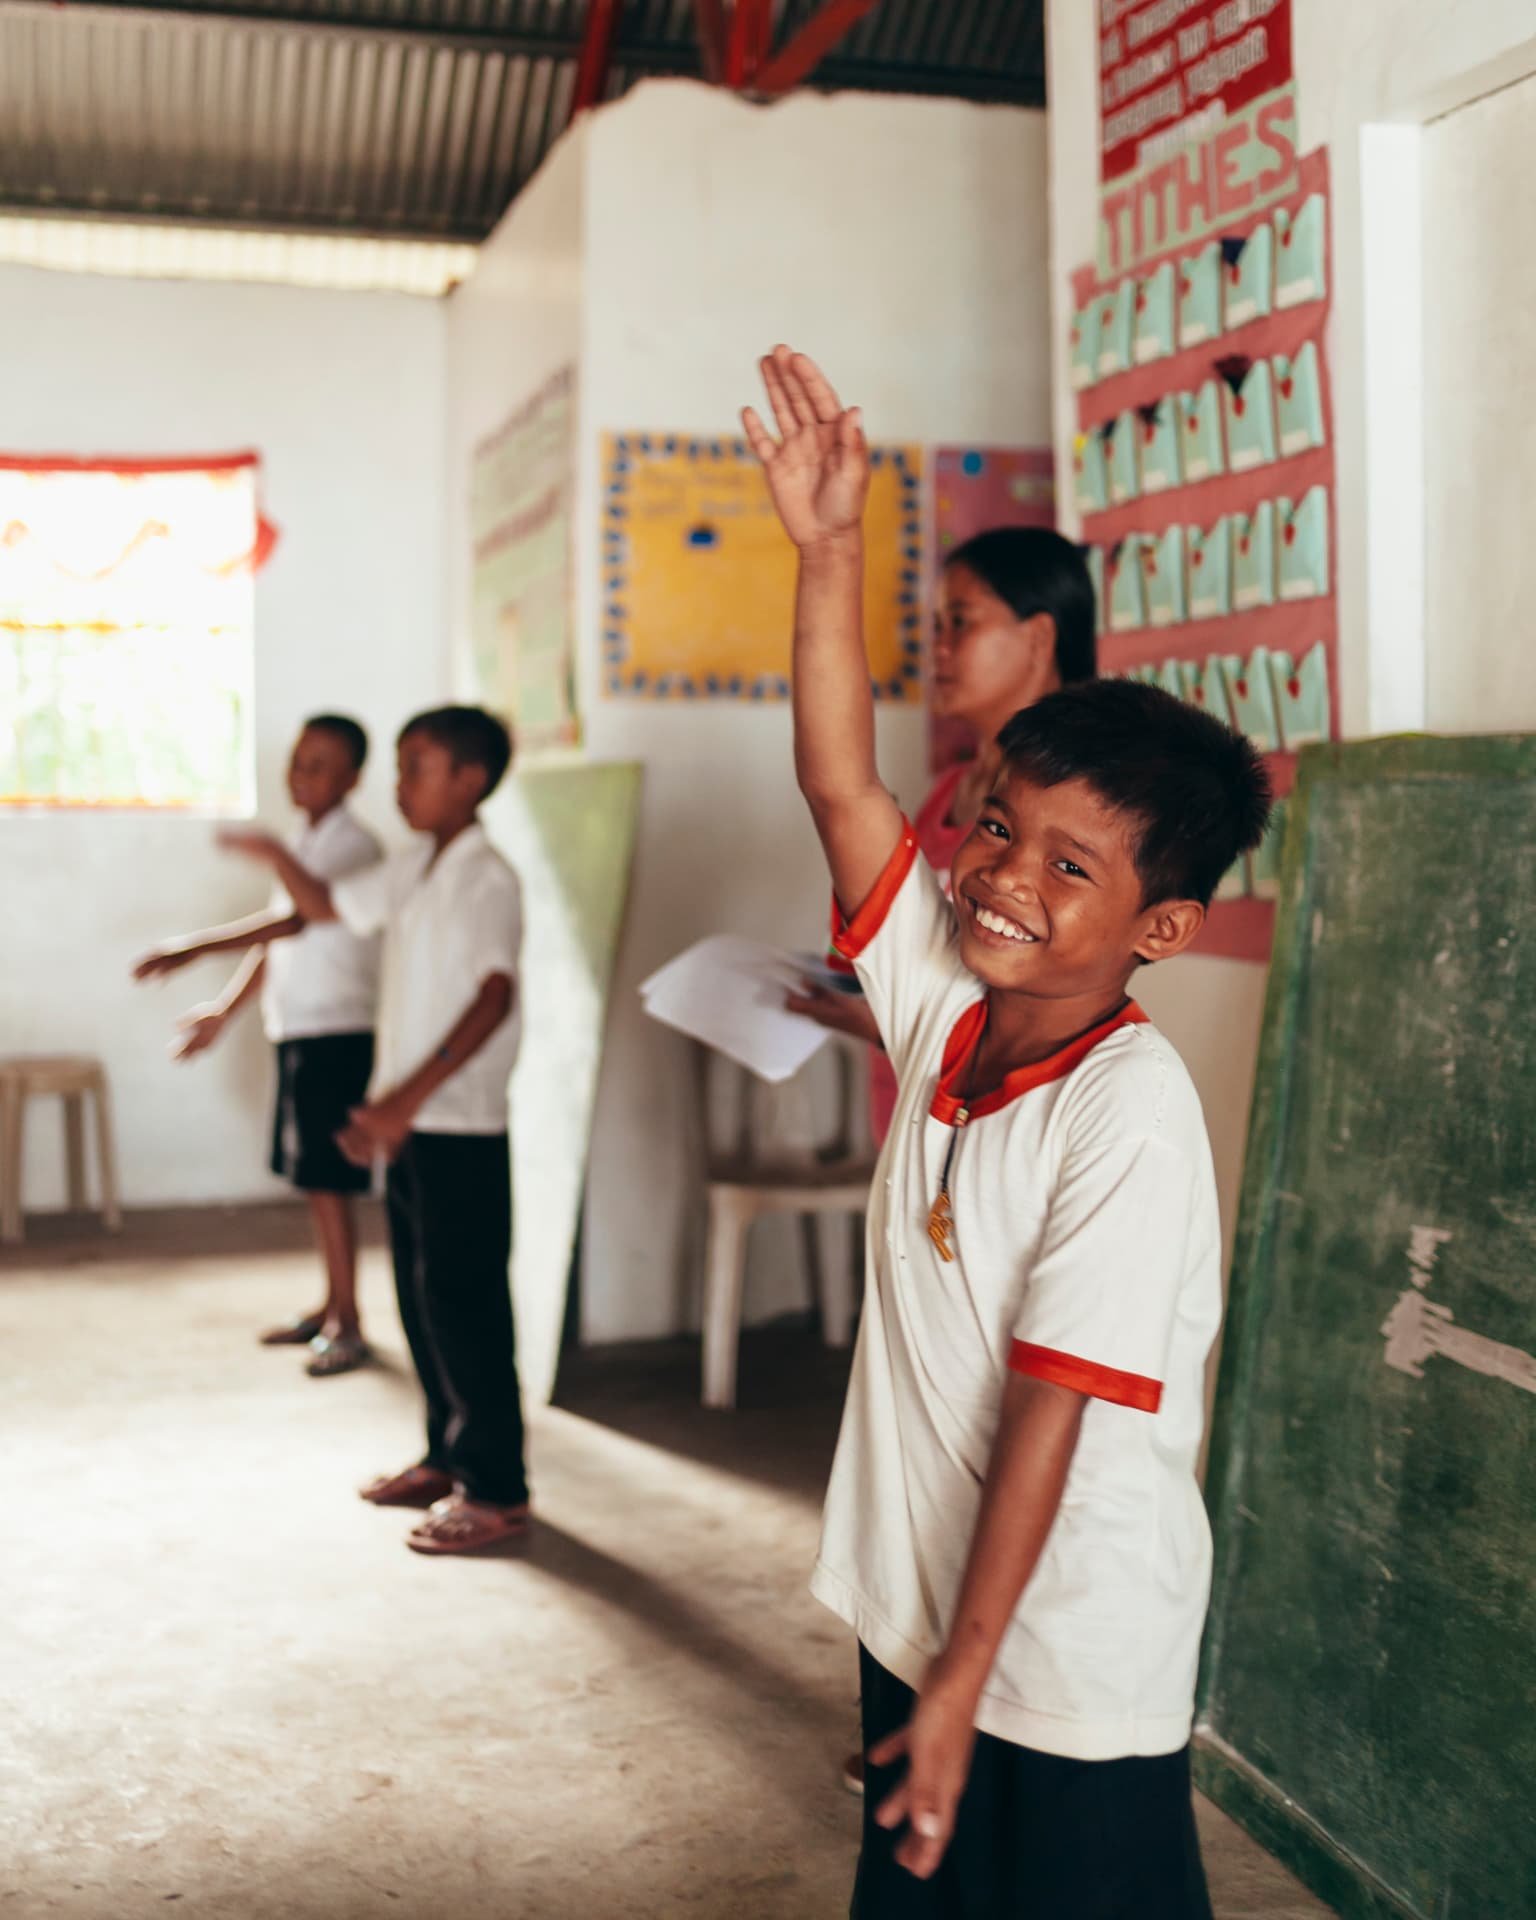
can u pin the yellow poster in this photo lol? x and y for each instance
(699, 579)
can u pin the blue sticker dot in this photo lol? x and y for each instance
(669, 445)
(615, 683)
(623, 444)
(693, 449)
(712, 682)
(877, 456)
(973, 463)
(616, 513)
(734, 684)
(702, 536)
(716, 450)
(783, 689)
(689, 689)
(645, 443)
(896, 689)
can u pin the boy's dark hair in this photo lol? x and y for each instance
(474, 737)
(1198, 791)
(1038, 571)
(349, 732)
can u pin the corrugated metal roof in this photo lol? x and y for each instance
(416, 118)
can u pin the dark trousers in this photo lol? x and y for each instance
(1037, 1837)
(450, 1224)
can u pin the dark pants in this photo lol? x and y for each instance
(450, 1224)
(1037, 1837)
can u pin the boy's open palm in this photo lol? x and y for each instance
(818, 471)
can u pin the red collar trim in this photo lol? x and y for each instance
(947, 1101)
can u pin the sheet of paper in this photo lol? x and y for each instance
(729, 992)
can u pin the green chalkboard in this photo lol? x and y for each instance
(1368, 1691)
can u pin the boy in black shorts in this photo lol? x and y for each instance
(317, 995)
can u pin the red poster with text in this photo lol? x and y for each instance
(1171, 71)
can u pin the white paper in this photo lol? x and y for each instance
(729, 992)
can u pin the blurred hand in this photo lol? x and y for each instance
(380, 1127)
(818, 473)
(252, 843)
(163, 961)
(838, 1012)
(199, 1029)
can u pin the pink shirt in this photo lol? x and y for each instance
(938, 840)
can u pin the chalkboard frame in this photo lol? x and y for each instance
(1223, 1772)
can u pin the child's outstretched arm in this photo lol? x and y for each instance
(259, 930)
(818, 475)
(200, 1028)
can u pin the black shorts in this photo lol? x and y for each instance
(1038, 1837)
(319, 1082)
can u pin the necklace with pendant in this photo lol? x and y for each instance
(941, 1216)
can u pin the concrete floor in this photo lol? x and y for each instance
(226, 1685)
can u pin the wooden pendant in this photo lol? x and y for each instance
(940, 1223)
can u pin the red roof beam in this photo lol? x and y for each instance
(747, 48)
(596, 54)
(798, 59)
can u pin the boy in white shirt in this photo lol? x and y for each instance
(450, 911)
(317, 1001)
(1013, 1525)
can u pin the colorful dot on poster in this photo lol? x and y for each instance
(972, 463)
(702, 536)
(946, 504)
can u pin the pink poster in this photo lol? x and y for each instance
(975, 488)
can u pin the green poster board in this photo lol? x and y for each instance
(1368, 1692)
(570, 832)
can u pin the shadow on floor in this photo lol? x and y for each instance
(650, 1392)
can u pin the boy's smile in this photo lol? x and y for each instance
(1047, 892)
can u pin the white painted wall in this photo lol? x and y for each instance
(1359, 68)
(903, 242)
(342, 396)
(1479, 168)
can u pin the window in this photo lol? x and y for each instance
(126, 603)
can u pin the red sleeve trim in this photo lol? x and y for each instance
(851, 937)
(1086, 1376)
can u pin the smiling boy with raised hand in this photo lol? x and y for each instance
(1013, 1526)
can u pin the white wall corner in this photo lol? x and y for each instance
(1392, 367)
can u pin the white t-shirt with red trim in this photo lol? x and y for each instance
(1087, 1251)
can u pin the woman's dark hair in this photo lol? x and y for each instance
(1037, 571)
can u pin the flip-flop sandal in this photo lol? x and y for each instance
(345, 1354)
(464, 1527)
(414, 1487)
(298, 1333)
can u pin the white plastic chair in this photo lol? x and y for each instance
(743, 1182)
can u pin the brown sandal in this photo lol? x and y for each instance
(415, 1487)
(298, 1333)
(461, 1526)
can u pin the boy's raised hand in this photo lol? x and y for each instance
(818, 471)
